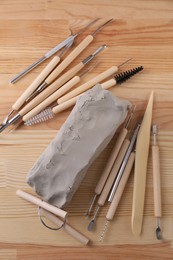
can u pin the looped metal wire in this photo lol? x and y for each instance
(44, 224)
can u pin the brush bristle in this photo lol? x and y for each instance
(41, 117)
(122, 77)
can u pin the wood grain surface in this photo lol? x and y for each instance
(143, 31)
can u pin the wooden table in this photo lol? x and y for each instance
(143, 31)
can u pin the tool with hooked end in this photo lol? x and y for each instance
(56, 72)
(82, 46)
(115, 202)
(156, 183)
(103, 196)
(69, 41)
(118, 79)
(111, 160)
(116, 172)
(36, 105)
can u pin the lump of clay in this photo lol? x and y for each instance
(89, 128)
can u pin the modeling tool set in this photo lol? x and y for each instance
(96, 117)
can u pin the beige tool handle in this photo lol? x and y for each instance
(50, 89)
(59, 212)
(113, 173)
(109, 83)
(88, 84)
(69, 59)
(49, 100)
(121, 186)
(70, 230)
(39, 79)
(111, 161)
(156, 181)
(141, 160)
(65, 105)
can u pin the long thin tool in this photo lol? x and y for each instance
(50, 112)
(156, 183)
(103, 196)
(36, 105)
(82, 46)
(110, 162)
(141, 159)
(64, 43)
(123, 165)
(115, 202)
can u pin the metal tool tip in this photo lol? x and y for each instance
(154, 128)
(91, 225)
(158, 233)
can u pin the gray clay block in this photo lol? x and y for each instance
(90, 126)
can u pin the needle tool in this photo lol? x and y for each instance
(69, 41)
(156, 183)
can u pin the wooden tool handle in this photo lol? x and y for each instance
(69, 58)
(111, 161)
(108, 84)
(50, 89)
(59, 212)
(121, 186)
(156, 181)
(49, 100)
(88, 84)
(69, 229)
(65, 105)
(45, 72)
(113, 173)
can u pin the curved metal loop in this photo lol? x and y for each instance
(44, 224)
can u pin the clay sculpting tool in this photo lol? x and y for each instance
(67, 61)
(98, 79)
(115, 202)
(103, 196)
(66, 227)
(123, 165)
(34, 88)
(68, 41)
(141, 159)
(57, 211)
(55, 73)
(36, 102)
(156, 182)
(51, 112)
(110, 162)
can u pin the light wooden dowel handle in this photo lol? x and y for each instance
(82, 46)
(69, 229)
(156, 181)
(70, 102)
(120, 189)
(39, 79)
(24, 195)
(49, 100)
(113, 173)
(50, 89)
(111, 161)
(88, 84)
(108, 84)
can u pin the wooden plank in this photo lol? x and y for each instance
(30, 28)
